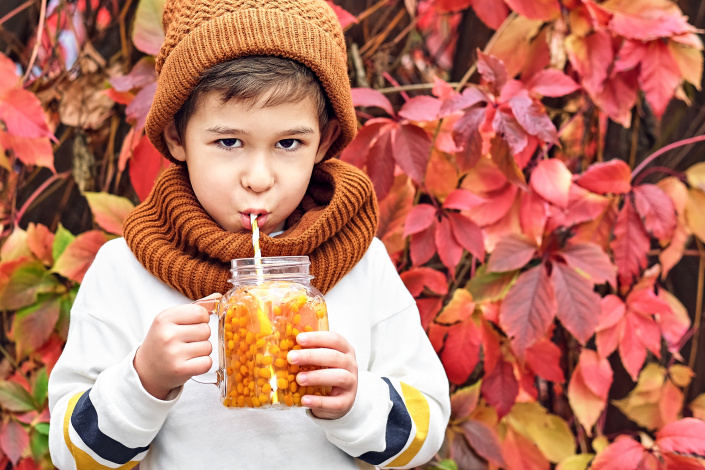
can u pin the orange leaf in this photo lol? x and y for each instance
(29, 150)
(40, 240)
(544, 358)
(460, 307)
(461, 351)
(588, 388)
(109, 210)
(545, 10)
(416, 279)
(521, 454)
(79, 255)
(659, 76)
(393, 211)
(613, 176)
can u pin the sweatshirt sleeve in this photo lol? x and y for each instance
(101, 416)
(402, 405)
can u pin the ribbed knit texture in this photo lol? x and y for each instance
(176, 240)
(203, 33)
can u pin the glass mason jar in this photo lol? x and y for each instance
(268, 305)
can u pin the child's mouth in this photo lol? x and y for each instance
(246, 220)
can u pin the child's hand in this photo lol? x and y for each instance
(176, 348)
(332, 351)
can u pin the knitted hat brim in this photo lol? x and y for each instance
(246, 33)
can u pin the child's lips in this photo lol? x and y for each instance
(246, 221)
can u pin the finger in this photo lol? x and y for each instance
(196, 349)
(197, 366)
(188, 314)
(193, 333)
(325, 407)
(324, 339)
(321, 358)
(210, 302)
(327, 378)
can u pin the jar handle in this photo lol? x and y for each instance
(212, 304)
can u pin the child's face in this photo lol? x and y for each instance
(246, 159)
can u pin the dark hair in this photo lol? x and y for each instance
(249, 78)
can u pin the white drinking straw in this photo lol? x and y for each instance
(255, 244)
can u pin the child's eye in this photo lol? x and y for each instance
(229, 143)
(289, 144)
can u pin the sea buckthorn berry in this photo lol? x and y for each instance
(277, 310)
(273, 349)
(240, 401)
(243, 370)
(255, 402)
(308, 328)
(296, 319)
(293, 386)
(260, 343)
(289, 400)
(282, 383)
(279, 362)
(231, 344)
(265, 373)
(294, 332)
(229, 370)
(263, 398)
(249, 337)
(228, 327)
(267, 360)
(266, 388)
(240, 388)
(259, 358)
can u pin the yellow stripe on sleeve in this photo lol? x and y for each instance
(83, 460)
(420, 412)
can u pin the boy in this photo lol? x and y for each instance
(253, 100)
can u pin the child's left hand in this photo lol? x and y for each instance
(332, 351)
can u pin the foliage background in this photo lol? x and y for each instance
(497, 207)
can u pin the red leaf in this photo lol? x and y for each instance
(344, 17)
(466, 135)
(657, 210)
(33, 325)
(461, 351)
(141, 75)
(420, 218)
(592, 56)
(40, 241)
(79, 255)
(471, 96)
(491, 347)
(529, 308)
(500, 387)
(552, 82)
(618, 95)
(520, 452)
(428, 309)
(448, 248)
(464, 401)
(491, 12)
(448, 6)
(497, 205)
(511, 139)
(680, 462)
(8, 74)
(415, 279)
(646, 302)
(421, 108)
(483, 440)
(545, 10)
(512, 252)
(592, 260)
(647, 331)
(578, 304)
(544, 359)
(492, 70)
(359, 149)
(647, 20)
(612, 311)
(22, 113)
(146, 165)
(630, 244)
(551, 179)
(411, 147)
(533, 118)
(30, 151)
(136, 112)
(13, 440)
(597, 373)
(442, 90)
(462, 199)
(623, 454)
(686, 436)
(437, 334)
(423, 246)
(393, 211)
(632, 352)
(533, 215)
(659, 77)
(468, 235)
(368, 97)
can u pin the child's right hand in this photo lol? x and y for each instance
(176, 348)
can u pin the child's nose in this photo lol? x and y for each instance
(258, 177)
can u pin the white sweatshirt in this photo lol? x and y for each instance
(101, 416)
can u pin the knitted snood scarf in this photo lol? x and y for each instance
(176, 240)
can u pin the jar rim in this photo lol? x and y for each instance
(270, 261)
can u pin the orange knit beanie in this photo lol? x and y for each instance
(204, 33)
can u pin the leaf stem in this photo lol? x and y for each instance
(698, 307)
(36, 193)
(663, 150)
(16, 11)
(35, 49)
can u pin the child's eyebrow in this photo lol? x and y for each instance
(221, 130)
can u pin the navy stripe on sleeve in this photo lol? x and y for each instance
(399, 427)
(84, 420)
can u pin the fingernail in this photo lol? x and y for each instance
(301, 378)
(306, 401)
(301, 338)
(293, 356)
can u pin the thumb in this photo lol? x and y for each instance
(210, 302)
